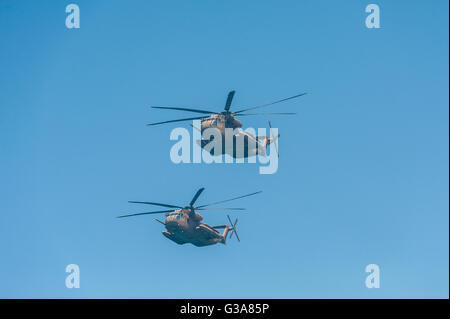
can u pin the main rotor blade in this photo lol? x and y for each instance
(221, 208)
(228, 200)
(196, 196)
(183, 109)
(147, 213)
(156, 204)
(264, 105)
(247, 114)
(229, 100)
(180, 120)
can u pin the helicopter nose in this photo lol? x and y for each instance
(170, 222)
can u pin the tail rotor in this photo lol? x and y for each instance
(275, 143)
(233, 228)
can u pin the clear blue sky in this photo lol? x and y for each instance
(363, 172)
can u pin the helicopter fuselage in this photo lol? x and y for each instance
(185, 226)
(242, 145)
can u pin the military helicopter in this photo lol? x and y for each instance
(184, 224)
(224, 119)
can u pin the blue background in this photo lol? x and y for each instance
(363, 172)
